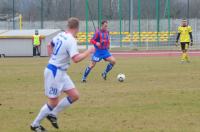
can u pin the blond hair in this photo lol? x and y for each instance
(73, 23)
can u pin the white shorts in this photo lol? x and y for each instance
(56, 84)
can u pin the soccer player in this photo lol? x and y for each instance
(185, 35)
(61, 49)
(101, 43)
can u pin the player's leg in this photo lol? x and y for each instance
(186, 54)
(68, 87)
(52, 93)
(96, 57)
(183, 56)
(44, 111)
(53, 102)
(87, 70)
(72, 96)
(112, 62)
(38, 129)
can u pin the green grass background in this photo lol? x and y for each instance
(158, 95)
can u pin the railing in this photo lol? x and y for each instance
(144, 41)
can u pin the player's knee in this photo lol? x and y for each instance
(53, 102)
(73, 94)
(113, 62)
(75, 97)
(184, 51)
(92, 65)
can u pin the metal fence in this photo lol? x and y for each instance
(133, 16)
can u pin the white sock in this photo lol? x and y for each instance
(64, 103)
(44, 111)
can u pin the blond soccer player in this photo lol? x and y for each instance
(61, 49)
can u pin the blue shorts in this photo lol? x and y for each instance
(100, 54)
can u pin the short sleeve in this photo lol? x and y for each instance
(54, 40)
(72, 48)
(189, 29)
(52, 43)
(179, 29)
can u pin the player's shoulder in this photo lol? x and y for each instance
(97, 31)
(189, 27)
(71, 38)
(67, 37)
(180, 27)
(63, 35)
(58, 35)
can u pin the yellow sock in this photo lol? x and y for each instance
(186, 57)
(183, 58)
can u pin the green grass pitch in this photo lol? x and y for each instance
(158, 95)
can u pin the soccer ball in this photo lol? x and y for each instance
(121, 77)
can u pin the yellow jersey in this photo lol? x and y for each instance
(184, 33)
(36, 40)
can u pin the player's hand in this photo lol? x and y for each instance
(91, 50)
(98, 44)
(191, 43)
(176, 44)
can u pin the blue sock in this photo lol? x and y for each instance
(87, 71)
(108, 68)
(70, 100)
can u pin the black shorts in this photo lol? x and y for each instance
(184, 45)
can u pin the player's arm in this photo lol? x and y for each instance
(191, 37)
(177, 38)
(94, 39)
(109, 41)
(178, 35)
(50, 48)
(81, 56)
(76, 57)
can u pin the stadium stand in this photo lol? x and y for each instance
(126, 37)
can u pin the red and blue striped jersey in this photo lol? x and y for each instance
(103, 38)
